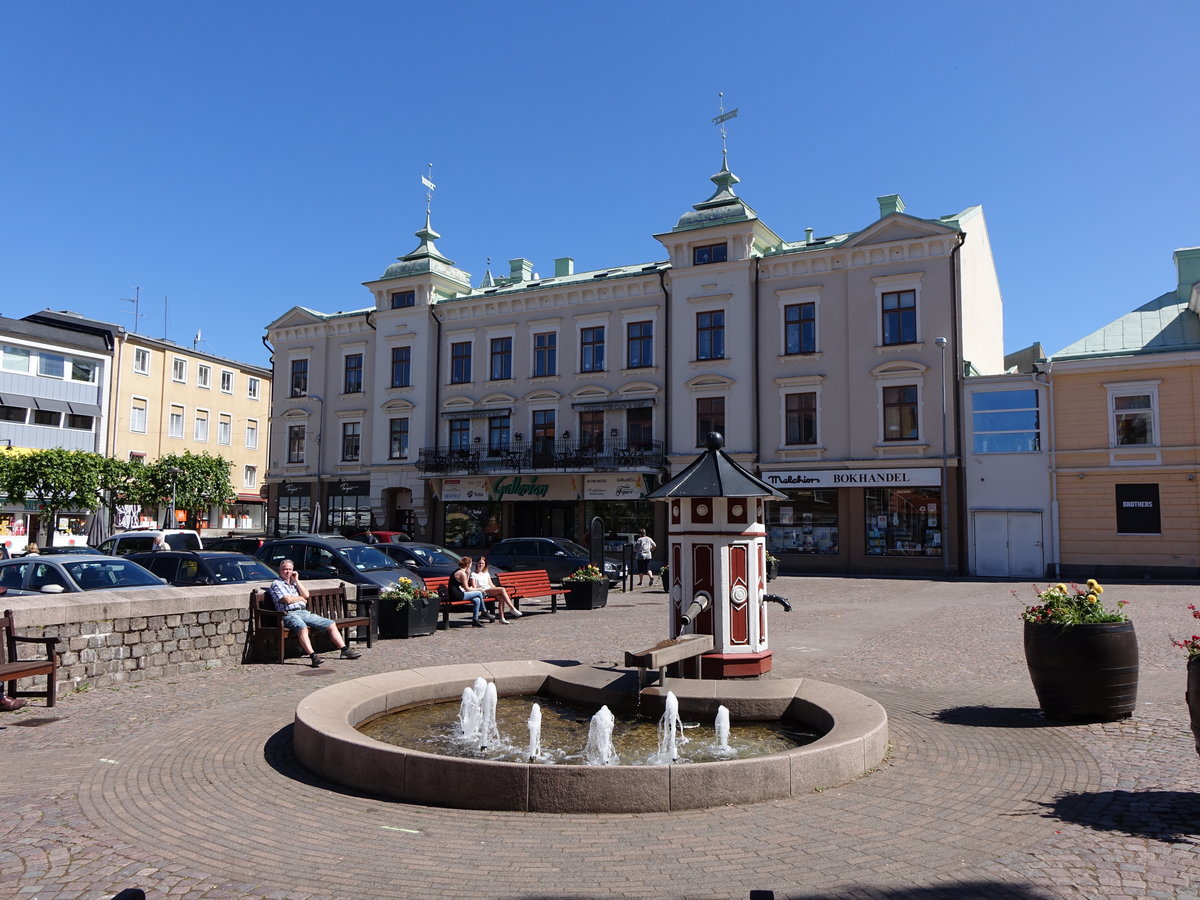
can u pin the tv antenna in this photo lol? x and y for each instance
(136, 300)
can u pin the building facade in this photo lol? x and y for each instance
(1126, 448)
(529, 404)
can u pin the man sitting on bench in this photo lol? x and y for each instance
(289, 596)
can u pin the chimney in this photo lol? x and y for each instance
(890, 203)
(1187, 264)
(520, 269)
(564, 266)
(808, 234)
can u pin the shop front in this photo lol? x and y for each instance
(859, 521)
(619, 498)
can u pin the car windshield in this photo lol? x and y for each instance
(366, 558)
(573, 548)
(97, 574)
(432, 556)
(239, 569)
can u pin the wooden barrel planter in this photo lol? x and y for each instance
(1085, 672)
(1193, 697)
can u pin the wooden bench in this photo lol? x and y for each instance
(441, 584)
(268, 633)
(13, 667)
(531, 585)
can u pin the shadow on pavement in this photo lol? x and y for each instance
(995, 717)
(961, 890)
(1172, 817)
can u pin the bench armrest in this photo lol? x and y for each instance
(48, 641)
(359, 607)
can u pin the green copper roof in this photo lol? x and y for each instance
(424, 259)
(723, 206)
(1162, 325)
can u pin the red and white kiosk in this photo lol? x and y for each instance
(717, 554)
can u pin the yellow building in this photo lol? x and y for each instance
(167, 399)
(1126, 448)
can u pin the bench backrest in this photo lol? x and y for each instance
(438, 583)
(327, 602)
(530, 583)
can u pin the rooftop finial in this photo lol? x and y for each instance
(721, 119)
(430, 187)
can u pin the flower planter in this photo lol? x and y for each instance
(772, 569)
(414, 620)
(1193, 696)
(586, 594)
(1083, 671)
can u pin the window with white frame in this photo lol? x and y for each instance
(799, 328)
(252, 434)
(591, 349)
(900, 408)
(179, 369)
(137, 415)
(898, 307)
(1133, 418)
(250, 477)
(84, 370)
(226, 382)
(351, 441)
(800, 417)
(225, 429)
(710, 416)
(200, 429)
(15, 359)
(52, 365)
(175, 422)
(252, 388)
(203, 376)
(141, 361)
(397, 438)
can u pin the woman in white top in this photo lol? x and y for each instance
(481, 580)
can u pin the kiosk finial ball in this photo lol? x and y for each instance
(714, 441)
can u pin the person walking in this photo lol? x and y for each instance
(644, 547)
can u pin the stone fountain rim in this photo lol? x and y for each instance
(327, 743)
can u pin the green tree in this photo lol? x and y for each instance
(202, 481)
(56, 479)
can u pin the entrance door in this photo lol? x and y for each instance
(546, 519)
(1008, 544)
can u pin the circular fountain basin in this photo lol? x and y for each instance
(853, 727)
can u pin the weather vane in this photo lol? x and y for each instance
(430, 187)
(722, 118)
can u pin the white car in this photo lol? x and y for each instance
(141, 540)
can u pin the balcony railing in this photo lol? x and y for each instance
(582, 455)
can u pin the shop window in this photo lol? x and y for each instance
(296, 440)
(903, 521)
(800, 328)
(401, 366)
(295, 511)
(591, 349)
(900, 413)
(1133, 414)
(710, 416)
(806, 522)
(471, 524)
(460, 362)
(800, 413)
(501, 358)
(1005, 421)
(639, 338)
(350, 513)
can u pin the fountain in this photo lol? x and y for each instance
(599, 750)
(717, 621)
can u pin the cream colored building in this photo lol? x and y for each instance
(1126, 448)
(169, 399)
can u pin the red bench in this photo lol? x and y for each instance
(15, 667)
(441, 584)
(531, 585)
(269, 637)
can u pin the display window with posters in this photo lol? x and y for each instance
(806, 522)
(903, 521)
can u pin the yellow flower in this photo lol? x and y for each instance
(1061, 587)
(1098, 589)
(1091, 598)
(1091, 582)
(405, 581)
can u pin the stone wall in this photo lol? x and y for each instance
(106, 637)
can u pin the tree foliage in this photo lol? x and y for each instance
(56, 479)
(201, 481)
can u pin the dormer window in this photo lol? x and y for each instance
(709, 253)
(403, 298)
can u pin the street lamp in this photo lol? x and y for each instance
(941, 345)
(175, 472)
(316, 510)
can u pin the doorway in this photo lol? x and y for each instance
(1008, 544)
(546, 519)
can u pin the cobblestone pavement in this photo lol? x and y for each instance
(188, 787)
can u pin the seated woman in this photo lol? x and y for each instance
(481, 580)
(459, 588)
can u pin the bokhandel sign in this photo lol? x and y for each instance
(836, 478)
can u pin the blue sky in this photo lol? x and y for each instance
(240, 158)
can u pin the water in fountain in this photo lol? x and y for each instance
(489, 735)
(535, 732)
(721, 726)
(670, 732)
(600, 750)
(469, 716)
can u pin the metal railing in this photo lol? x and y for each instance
(543, 455)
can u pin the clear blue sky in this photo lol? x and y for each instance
(244, 157)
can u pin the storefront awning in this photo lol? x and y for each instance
(7, 399)
(244, 497)
(52, 405)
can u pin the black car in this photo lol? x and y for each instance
(558, 556)
(184, 568)
(240, 543)
(427, 560)
(328, 557)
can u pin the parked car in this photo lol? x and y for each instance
(380, 537)
(72, 573)
(558, 556)
(69, 548)
(143, 539)
(185, 568)
(241, 543)
(427, 560)
(352, 561)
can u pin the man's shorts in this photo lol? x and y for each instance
(302, 618)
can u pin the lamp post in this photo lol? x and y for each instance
(941, 345)
(175, 471)
(316, 519)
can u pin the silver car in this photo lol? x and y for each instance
(73, 573)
